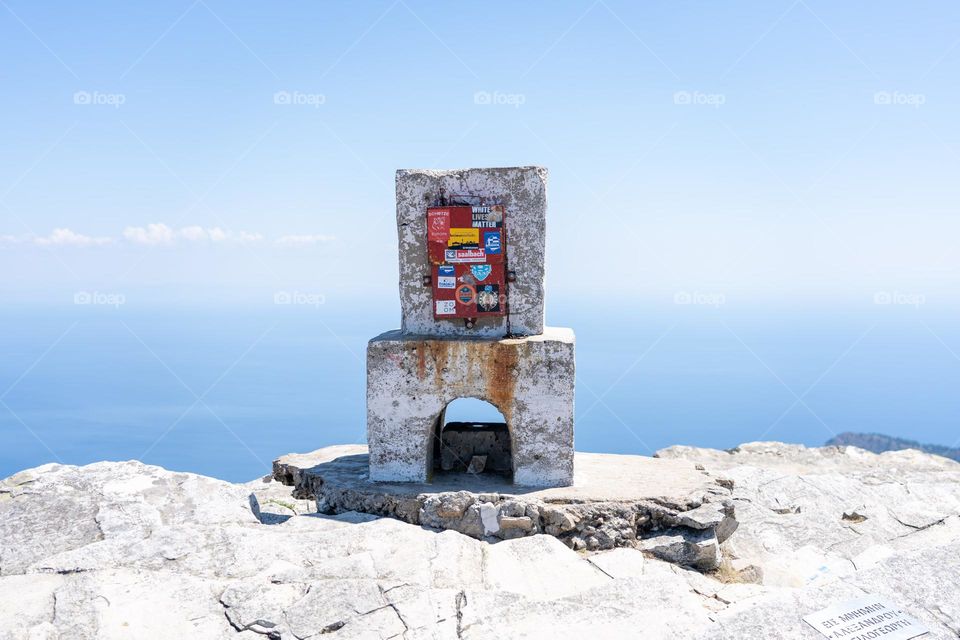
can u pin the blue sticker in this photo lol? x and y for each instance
(491, 241)
(445, 271)
(481, 271)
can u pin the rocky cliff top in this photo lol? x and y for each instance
(878, 443)
(127, 550)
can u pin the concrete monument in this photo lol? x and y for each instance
(471, 248)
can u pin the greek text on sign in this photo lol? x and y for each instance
(465, 255)
(865, 618)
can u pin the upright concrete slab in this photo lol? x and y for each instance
(412, 378)
(523, 191)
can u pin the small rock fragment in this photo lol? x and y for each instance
(488, 516)
(477, 464)
(516, 522)
(853, 516)
(697, 549)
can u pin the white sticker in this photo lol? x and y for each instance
(465, 255)
(446, 307)
(865, 617)
(446, 282)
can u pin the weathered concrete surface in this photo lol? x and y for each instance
(617, 501)
(523, 190)
(530, 380)
(125, 550)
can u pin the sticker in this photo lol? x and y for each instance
(481, 271)
(446, 307)
(446, 277)
(487, 217)
(491, 242)
(465, 255)
(438, 225)
(464, 238)
(488, 298)
(466, 294)
(487, 214)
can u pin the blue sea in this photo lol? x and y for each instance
(223, 389)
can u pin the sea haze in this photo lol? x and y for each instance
(223, 390)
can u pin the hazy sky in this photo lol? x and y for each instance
(770, 149)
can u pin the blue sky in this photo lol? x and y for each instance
(752, 216)
(796, 150)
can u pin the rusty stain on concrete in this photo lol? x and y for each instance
(421, 350)
(440, 350)
(500, 377)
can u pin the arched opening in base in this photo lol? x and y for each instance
(471, 436)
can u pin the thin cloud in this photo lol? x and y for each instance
(161, 234)
(152, 234)
(304, 240)
(63, 237)
(217, 234)
(194, 233)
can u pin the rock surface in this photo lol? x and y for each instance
(125, 550)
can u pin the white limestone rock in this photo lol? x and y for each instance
(125, 550)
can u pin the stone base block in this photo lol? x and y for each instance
(669, 508)
(530, 380)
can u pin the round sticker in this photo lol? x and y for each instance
(466, 294)
(488, 298)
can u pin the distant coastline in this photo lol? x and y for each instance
(878, 443)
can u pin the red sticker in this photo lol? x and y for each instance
(438, 225)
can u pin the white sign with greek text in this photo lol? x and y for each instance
(865, 618)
